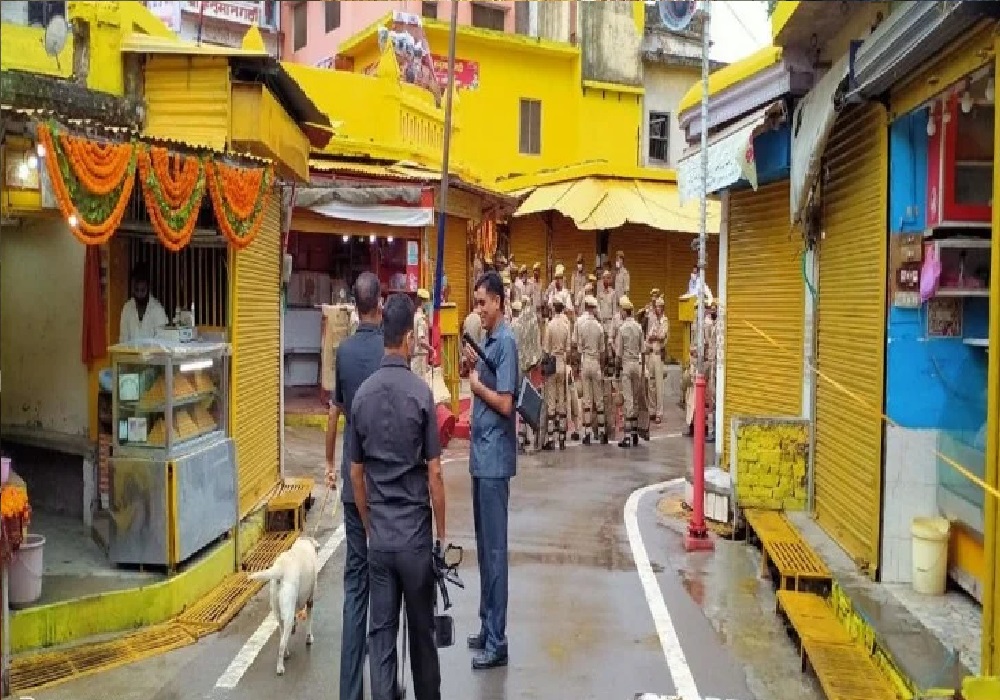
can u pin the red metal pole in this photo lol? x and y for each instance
(697, 539)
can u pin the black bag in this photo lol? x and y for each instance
(548, 365)
(529, 404)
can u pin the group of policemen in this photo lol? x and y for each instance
(595, 351)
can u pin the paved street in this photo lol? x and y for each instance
(583, 623)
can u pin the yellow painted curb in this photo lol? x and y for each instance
(310, 420)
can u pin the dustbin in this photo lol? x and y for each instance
(930, 555)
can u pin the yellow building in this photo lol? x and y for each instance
(136, 87)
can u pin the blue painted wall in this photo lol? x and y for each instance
(930, 383)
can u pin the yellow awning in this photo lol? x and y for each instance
(596, 204)
(147, 44)
(731, 75)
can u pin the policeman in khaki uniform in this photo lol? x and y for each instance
(521, 283)
(623, 281)
(557, 290)
(607, 303)
(556, 343)
(628, 351)
(421, 334)
(591, 343)
(657, 332)
(578, 280)
(535, 288)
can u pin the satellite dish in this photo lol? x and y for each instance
(56, 34)
(676, 14)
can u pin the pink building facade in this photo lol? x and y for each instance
(313, 31)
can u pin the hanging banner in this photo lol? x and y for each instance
(466, 73)
(412, 266)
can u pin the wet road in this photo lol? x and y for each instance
(582, 623)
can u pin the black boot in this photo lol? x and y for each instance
(562, 441)
(548, 446)
(635, 439)
(586, 438)
(625, 442)
(604, 436)
(645, 434)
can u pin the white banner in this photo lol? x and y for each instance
(730, 159)
(376, 214)
(244, 13)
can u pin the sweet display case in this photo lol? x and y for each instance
(173, 484)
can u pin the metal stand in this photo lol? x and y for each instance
(697, 537)
(5, 651)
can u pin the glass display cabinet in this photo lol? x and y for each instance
(173, 466)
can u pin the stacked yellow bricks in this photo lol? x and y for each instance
(772, 457)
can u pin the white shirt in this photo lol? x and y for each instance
(134, 329)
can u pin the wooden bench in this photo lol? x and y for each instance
(289, 502)
(797, 565)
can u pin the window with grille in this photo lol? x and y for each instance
(531, 127)
(486, 17)
(429, 10)
(299, 34)
(41, 13)
(332, 15)
(659, 136)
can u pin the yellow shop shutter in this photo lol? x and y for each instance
(662, 259)
(851, 333)
(256, 361)
(765, 287)
(568, 242)
(457, 266)
(527, 241)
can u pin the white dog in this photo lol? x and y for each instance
(293, 587)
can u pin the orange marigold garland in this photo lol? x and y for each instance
(99, 167)
(231, 188)
(94, 216)
(173, 188)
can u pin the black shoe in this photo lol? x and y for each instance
(476, 642)
(586, 439)
(562, 444)
(489, 659)
(604, 438)
(635, 440)
(626, 443)
(549, 446)
(645, 435)
(689, 431)
(710, 439)
(574, 436)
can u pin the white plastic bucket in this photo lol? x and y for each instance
(930, 555)
(25, 582)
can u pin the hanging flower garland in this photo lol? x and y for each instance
(92, 182)
(239, 197)
(173, 187)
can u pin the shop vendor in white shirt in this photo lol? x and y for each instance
(142, 315)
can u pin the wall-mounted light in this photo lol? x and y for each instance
(73, 221)
(346, 239)
(371, 238)
(389, 239)
(40, 150)
(965, 102)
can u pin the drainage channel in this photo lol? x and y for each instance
(33, 672)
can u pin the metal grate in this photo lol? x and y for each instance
(198, 274)
(264, 553)
(214, 611)
(796, 559)
(846, 672)
(37, 671)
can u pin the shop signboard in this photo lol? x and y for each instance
(244, 13)
(412, 266)
(466, 73)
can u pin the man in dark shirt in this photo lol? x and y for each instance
(493, 461)
(357, 359)
(396, 472)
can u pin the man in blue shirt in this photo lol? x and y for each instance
(357, 359)
(492, 463)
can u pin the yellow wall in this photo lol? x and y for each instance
(23, 47)
(599, 121)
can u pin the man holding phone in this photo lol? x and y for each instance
(493, 461)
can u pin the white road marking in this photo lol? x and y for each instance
(244, 659)
(677, 663)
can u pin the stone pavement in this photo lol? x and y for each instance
(580, 620)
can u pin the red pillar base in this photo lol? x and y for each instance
(702, 542)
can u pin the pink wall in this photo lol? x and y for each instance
(355, 16)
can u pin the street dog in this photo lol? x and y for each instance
(292, 589)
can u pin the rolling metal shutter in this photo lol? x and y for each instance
(851, 333)
(457, 266)
(256, 362)
(527, 241)
(568, 242)
(662, 259)
(765, 287)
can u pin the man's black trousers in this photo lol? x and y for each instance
(395, 578)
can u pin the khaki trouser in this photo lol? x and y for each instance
(593, 393)
(709, 399)
(632, 389)
(420, 367)
(654, 383)
(573, 401)
(555, 400)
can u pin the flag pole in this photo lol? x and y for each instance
(442, 215)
